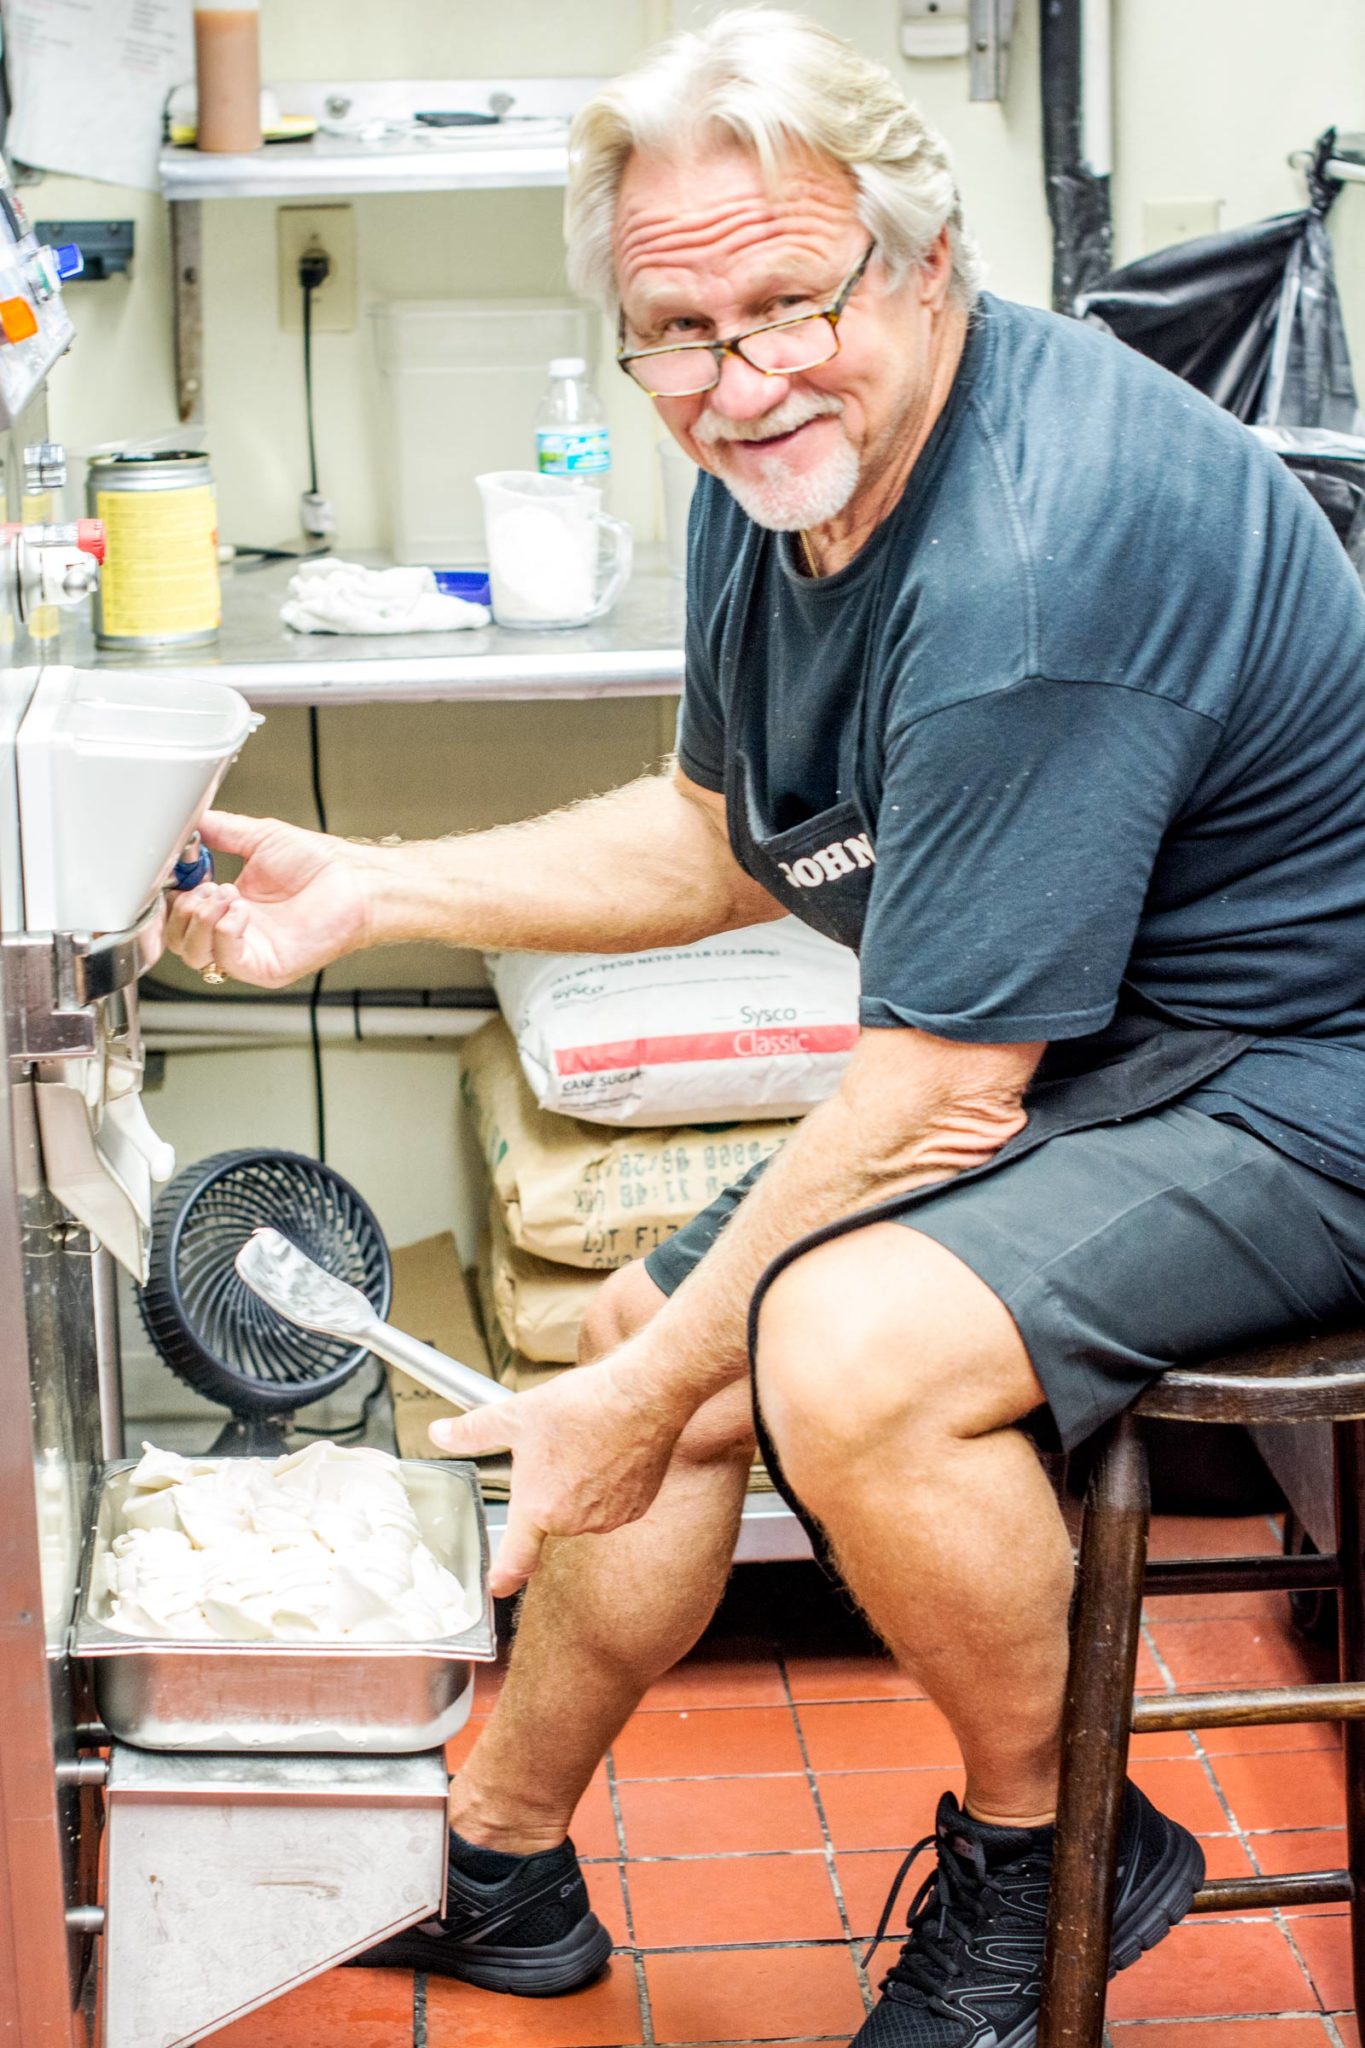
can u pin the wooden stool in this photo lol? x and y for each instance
(1315, 1380)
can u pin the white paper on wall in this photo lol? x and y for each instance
(88, 83)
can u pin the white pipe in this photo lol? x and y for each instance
(1097, 86)
(199, 1027)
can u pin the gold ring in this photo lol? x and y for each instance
(213, 975)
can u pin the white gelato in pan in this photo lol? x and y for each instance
(320, 1546)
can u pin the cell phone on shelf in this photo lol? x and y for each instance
(439, 118)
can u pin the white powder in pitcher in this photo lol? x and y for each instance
(319, 1546)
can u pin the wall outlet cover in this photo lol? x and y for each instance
(299, 229)
(934, 28)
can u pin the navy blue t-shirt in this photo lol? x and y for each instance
(1097, 687)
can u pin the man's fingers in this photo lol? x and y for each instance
(518, 1553)
(475, 1435)
(229, 832)
(193, 921)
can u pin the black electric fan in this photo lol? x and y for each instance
(208, 1325)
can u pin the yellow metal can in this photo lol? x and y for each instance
(160, 585)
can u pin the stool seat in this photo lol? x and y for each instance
(1302, 1379)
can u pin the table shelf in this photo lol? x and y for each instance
(637, 651)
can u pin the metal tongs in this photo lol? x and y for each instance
(299, 1289)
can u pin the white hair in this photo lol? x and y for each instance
(771, 83)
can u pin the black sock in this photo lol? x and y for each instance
(485, 1866)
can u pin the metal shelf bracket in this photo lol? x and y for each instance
(992, 30)
(187, 271)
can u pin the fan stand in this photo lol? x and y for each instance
(252, 1436)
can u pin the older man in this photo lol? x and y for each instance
(1021, 669)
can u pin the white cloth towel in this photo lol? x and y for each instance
(345, 597)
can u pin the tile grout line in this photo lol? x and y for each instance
(912, 1770)
(1232, 1834)
(1218, 2020)
(637, 1961)
(831, 1865)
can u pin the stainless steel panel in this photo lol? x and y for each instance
(377, 1698)
(231, 1879)
(48, 1450)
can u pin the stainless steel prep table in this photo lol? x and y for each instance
(636, 652)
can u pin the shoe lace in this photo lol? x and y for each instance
(942, 1917)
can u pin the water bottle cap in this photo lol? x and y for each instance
(568, 366)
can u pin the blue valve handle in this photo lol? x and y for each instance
(194, 866)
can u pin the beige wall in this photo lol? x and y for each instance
(1210, 96)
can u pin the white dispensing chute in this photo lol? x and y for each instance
(114, 774)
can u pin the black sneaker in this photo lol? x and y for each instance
(970, 1976)
(527, 1929)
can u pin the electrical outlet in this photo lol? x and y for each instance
(299, 229)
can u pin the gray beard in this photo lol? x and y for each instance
(790, 504)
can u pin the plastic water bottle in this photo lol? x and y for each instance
(571, 426)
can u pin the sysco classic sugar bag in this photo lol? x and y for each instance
(757, 1023)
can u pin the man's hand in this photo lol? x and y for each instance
(299, 903)
(589, 1454)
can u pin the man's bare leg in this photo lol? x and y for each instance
(604, 1616)
(890, 1377)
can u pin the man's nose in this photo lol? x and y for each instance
(743, 392)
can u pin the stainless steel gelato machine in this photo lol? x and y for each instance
(154, 1796)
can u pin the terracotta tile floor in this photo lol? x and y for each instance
(741, 1838)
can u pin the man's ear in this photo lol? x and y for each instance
(936, 272)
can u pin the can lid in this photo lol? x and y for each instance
(149, 458)
(568, 366)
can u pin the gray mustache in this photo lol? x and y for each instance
(712, 430)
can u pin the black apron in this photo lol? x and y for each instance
(822, 870)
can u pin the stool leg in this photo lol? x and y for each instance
(1348, 1445)
(1095, 1729)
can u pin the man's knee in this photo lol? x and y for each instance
(883, 1332)
(623, 1304)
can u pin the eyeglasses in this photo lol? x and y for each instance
(780, 348)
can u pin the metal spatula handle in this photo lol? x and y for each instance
(445, 1376)
(303, 1292)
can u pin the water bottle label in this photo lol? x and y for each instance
(573, 451)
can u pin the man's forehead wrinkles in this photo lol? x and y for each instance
(755, 242)
(664, 234)
(660, 221)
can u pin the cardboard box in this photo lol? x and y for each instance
(432, 1301)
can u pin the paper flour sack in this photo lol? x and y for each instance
(755, 1023)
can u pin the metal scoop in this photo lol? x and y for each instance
(299, 1289)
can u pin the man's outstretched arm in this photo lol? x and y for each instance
(647, 865)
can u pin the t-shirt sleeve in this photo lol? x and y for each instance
(1016, 840)
(701, 725)
(701, 715)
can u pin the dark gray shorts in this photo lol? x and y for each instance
(1123, 1250)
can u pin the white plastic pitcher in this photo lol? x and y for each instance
(545, 536)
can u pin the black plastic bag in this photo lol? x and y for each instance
(1331, 467)
(1251, 317)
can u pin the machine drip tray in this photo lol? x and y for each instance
(232, 1878)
